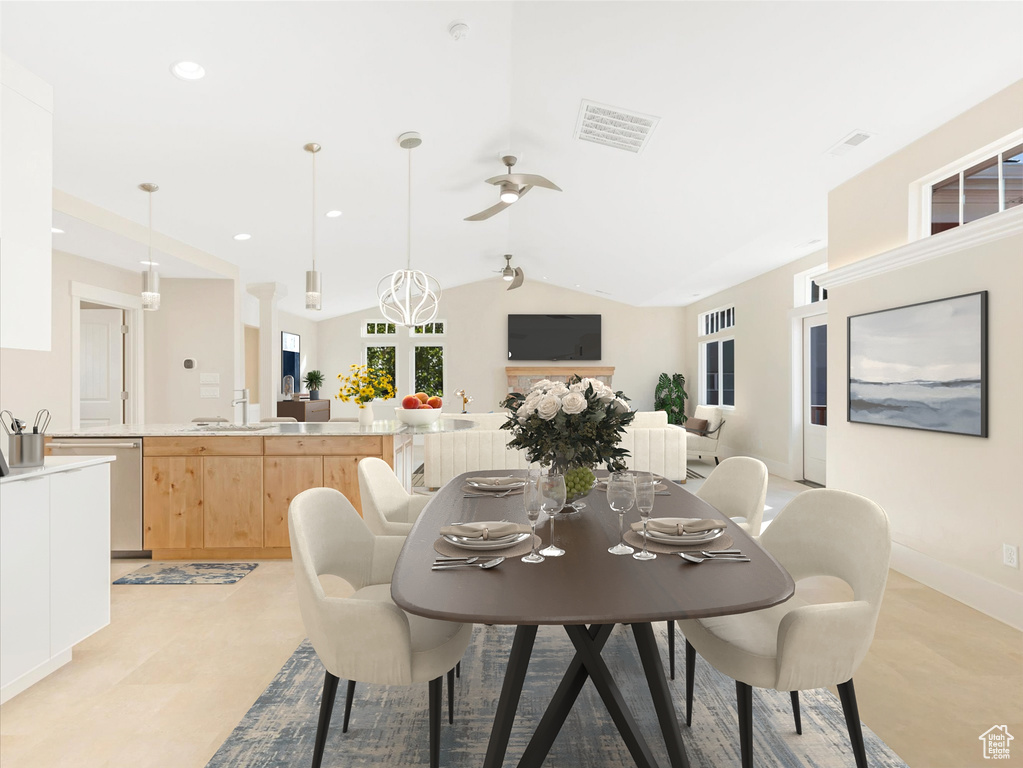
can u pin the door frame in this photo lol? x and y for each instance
(796, 317)
(134, 351)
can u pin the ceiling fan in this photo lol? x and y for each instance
(513, 186)
(513, 275)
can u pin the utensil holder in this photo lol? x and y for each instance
(26, 450)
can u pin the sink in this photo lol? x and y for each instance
(230, 427)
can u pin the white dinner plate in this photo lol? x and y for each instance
(686, 538)
(502, 484)
(481, 544)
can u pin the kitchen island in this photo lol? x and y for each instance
(222, 491)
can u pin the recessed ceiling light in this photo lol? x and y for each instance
(56, 231)
(333, 214)
(188, 70)
(150, 263)
(242, 236)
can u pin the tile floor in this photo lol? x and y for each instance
(179, 666)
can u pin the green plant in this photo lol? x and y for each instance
(313, 380)
(670, 396)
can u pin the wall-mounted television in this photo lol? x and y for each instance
(554, 337)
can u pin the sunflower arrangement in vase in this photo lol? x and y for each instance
(363, 385)
(570, 428)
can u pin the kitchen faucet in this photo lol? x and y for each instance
(244, 402)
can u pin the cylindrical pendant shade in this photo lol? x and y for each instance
(313, 293)
(150, 290)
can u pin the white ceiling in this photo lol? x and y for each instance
(733, 183)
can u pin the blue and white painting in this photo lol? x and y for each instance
(921, 366)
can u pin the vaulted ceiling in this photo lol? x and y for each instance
(734, 181)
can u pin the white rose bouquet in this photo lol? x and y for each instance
(578, 424)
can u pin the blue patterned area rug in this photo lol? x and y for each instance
(189, 573)
(390, 724)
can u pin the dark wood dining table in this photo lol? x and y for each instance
(587, 591)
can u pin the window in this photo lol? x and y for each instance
(428, 369)
(983, 186)
(805, 288)
(373, 328)
(382, 358)
(435, 328)
(817, 293)
(819, 375)
(718, 379)
(716, 320)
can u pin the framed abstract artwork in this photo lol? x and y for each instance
(922, 366)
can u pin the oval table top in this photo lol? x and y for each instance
(587, 585)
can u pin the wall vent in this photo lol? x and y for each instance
(614, 127)
(849, 143)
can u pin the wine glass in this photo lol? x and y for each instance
(552, 498)
(645, 487)
(532, 498)
(621, 495)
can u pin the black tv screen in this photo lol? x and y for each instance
(554, 337)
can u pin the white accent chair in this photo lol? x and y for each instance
(386, 507)
(799, 645)
(706, 444)
(364, 637)
(279, 420)
(738, 488)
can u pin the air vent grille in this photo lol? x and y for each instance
(614, 127)
(848, 143)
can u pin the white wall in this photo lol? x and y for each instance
(952, 499)
(760, 423)
(196, 319)
(641, 342)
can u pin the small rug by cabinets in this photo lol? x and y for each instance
(188, 573)
(390, 724)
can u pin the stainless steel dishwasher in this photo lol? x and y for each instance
(125, 485)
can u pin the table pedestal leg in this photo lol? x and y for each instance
(518, 662)
(663, 705)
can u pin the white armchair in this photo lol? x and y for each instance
(364, 637)
(799, 645)
(387, 509)
(706, 443)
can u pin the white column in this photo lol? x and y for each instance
(269, 344)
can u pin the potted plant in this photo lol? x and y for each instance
(670, 395)
(313, 381)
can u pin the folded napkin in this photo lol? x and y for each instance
(676, 526)
(484, 530)
(496, 481)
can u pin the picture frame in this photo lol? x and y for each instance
(291, 359)
(921, 366)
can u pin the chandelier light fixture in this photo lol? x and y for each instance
(409, 297)
(313, 288)
(150, 278)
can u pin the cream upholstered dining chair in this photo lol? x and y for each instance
(704, 442)
(738, 488)
(209, 420)
(387, 509)
(364, 637)
(279, 419)
(797, 645)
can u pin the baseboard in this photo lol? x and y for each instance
(33, 676)
(989, 598)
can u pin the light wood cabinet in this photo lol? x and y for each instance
(172, 501)
(284, 477)
(342, 474)
(232, 494)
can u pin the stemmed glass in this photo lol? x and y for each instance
(621, 495)
(552, 498)
(531, 495)
(645, 487)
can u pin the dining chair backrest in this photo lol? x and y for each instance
(209, 420)
(386, 507)
(279, 419)
(737, 487)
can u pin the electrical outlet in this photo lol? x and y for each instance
(1010, 555)
(209, 378)
(209, 392)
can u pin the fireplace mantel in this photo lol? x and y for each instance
(522, 377)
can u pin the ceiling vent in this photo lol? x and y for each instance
(614, 127)
(849, 143)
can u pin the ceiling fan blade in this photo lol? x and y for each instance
(519, 277)
(488, 212)
(525, 179)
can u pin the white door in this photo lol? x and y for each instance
(102, 368)
(815, 398)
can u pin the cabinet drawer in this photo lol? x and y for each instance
(286, 445)
(227, 445)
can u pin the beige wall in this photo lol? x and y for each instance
(31, 380)
(760, 423)
(309, 331)
(196, 319)
(953, 500)
(640, 342)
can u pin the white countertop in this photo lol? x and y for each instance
(55, 464)
(393, 427)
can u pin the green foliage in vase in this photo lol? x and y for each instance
(670, 395)
(569, 425)
(313, 380)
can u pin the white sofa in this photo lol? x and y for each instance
(653, 444)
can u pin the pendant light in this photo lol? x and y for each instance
(313, 287)
(150, 278)
(409, 297)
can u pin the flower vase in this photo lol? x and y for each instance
(365, 415)
(572, 497)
